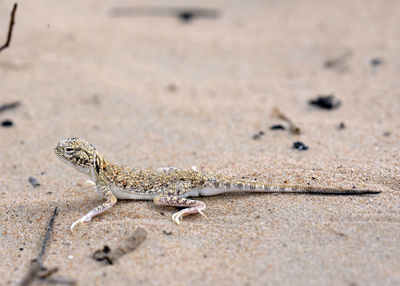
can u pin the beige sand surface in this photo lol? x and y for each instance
(80, 72)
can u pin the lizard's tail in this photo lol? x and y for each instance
(250, 186)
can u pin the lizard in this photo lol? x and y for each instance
(165, 186)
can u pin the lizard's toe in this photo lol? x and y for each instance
(201, 212)
(75, 224)
(82, 220)
(177, 217)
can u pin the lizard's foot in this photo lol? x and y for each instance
(191, 206)
(177, 217)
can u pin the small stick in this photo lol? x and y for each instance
(7, 106)
(31, 275)
(292, 127)
(10, 27)
(46, 239)
(62, 281)
(337, 62)
(37, 264)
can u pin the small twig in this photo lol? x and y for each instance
(338, 62)
(292, 127)
(10, 27)
(58, 280)
(46, 239)
(31, 275)
(184, 14)
(37, 269)
(7, 106)
(43, 274)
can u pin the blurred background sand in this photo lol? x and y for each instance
(152, 91)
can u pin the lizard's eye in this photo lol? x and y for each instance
(69, 149)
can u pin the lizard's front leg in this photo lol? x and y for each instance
(192, 206)
(111, 200)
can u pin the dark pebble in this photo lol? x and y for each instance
(325, 102)
(342, 125)
(167, 232)
(34, 182)
(7, 123)
(300, 146)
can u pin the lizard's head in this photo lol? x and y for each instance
(77, 153)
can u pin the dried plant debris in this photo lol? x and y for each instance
(300, 146)
(34, 182)
(8, 106)
(127, 245)
(326, 102)
(292, 127)
(184, 14)
(258, 135)
(102, 254)
(277, 127)
(10, 28)
(7, 123)
(339, 63)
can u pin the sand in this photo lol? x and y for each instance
(152, 91)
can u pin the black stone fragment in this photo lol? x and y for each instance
(325, 102)
(300, 146)
(277, 127)
(7, 123)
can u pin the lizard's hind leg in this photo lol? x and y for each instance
(191, 206)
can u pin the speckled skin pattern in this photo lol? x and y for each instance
(165, 186)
